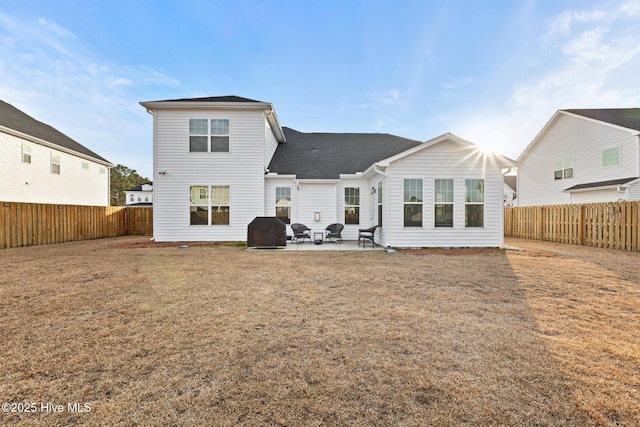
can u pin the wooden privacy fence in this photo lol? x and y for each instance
(27, 224)
(604, 225)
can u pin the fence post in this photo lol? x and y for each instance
(581, 225)
(541, 224)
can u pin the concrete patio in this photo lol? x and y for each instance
(346, 245)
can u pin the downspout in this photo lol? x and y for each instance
(155, 194)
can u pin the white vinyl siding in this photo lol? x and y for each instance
(451, 161)
(242, 169)
(583, 141)
(270, 143)
(32, 182)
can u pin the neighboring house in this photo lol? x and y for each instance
(142, 195)
(39, 164)
(220, 162)
(582, 156)
(510, 185)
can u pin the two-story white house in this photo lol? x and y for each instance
(39, 164)
(582, 156)
(219, 162)
(141, 195)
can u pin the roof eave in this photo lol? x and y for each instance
(184, 105)
(54, 146)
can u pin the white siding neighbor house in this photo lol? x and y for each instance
(582, 156)
(219, 162)
(39, 164)
(141, 195)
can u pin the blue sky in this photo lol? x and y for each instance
(492, 72)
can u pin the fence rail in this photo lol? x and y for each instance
(27, 224)
(604, 225)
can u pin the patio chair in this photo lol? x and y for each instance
(334, 231)
(301, 231)
(365, 234)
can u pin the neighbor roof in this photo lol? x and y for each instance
(12, 118)
(228, 98)
(327, 155)
(600, 184)
(625, 117)
(139, 187)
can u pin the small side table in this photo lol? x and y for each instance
(318, 237)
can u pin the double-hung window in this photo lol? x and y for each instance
(209, 135)
(474, 202)
(563, 169)
(443, 206)
(352, 205)
(55, 163)
(611, 157)
(209, 205)
(412, 203)
(26, 153)
(283, 204)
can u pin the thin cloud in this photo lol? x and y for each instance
(595, 67)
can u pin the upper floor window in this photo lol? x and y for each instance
(85, 165)
(352, 205)
(412, 203)
(611, 157)
(103, 170)
(443, 206)
(26, 153)
(209, 135)
(283, 204)
(563, 169)
(474, 202)
(55, 163)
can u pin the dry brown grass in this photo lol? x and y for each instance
(215, 335)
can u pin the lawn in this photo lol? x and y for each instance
(134, 333)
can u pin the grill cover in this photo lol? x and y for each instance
(266, 232)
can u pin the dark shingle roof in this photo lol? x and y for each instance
(625, 117)
(327, 155)
(139, 187)
(229, 98)
(12, 118)
(610, 183)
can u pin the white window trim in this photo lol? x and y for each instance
(26, 150)
(453, 203)
(359, 205)
(209, 135)
(52, 163)
(210, 205)
(564, 168)
(483, 203)
(422, 203)
(619, 157)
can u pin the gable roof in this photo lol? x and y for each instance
(625, 117)
(13, 119)
(327, 155)
(628, 118)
